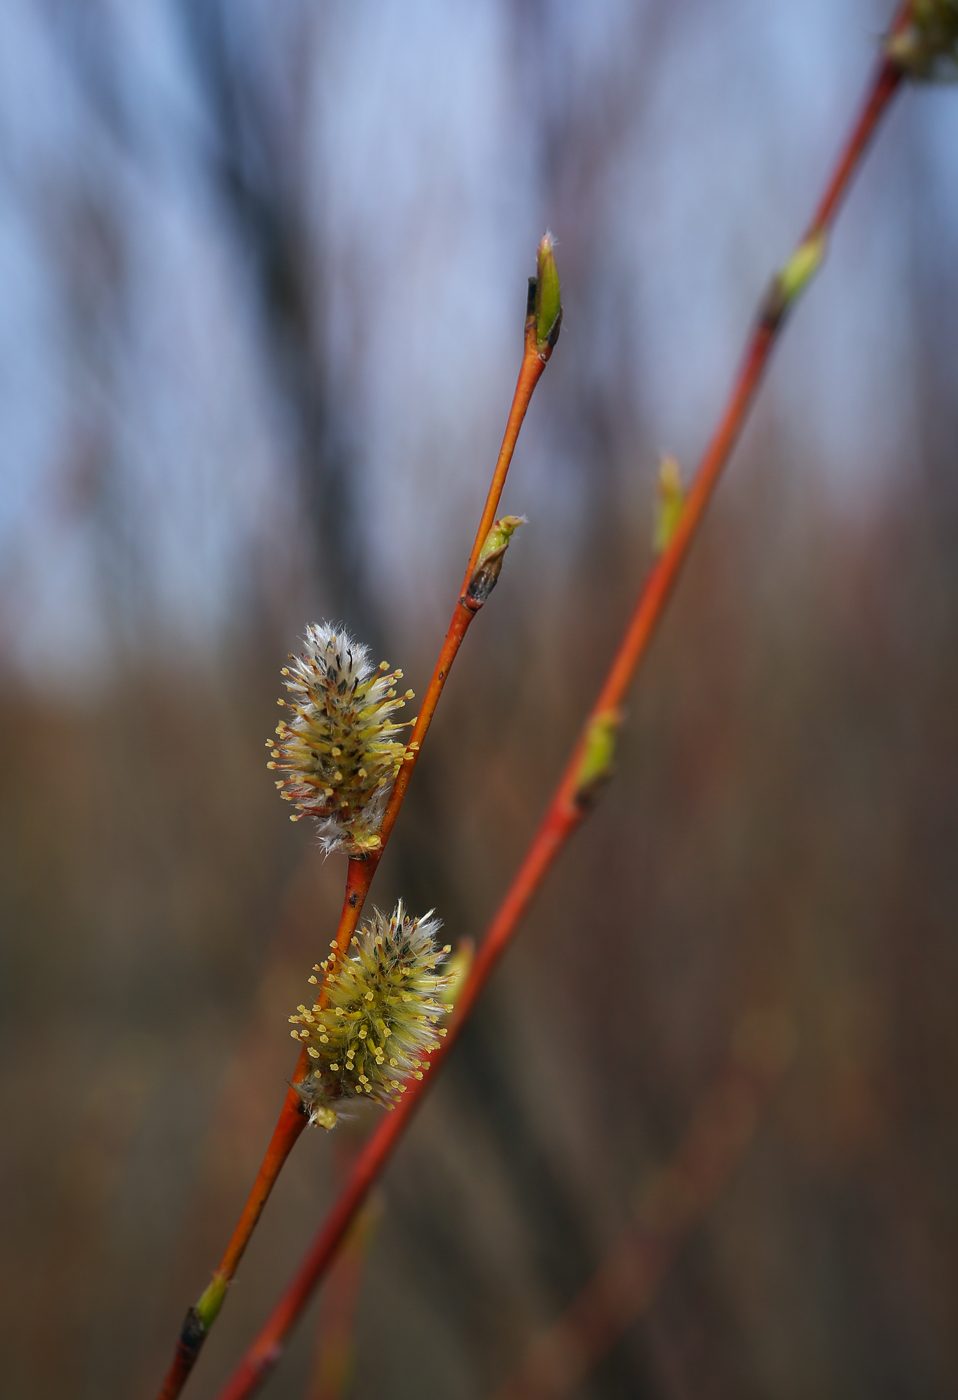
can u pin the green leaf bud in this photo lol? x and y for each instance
(926, 46)
(802, 266)
(670, 503)
(595, 766)
(489, 565)
(788, 284)
(548, 303)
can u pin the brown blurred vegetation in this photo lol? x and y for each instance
(781, 834)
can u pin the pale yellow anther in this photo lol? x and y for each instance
(312, 1052)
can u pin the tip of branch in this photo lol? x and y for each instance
(548, 298)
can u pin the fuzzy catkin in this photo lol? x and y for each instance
(381, 1018)
(338, 750)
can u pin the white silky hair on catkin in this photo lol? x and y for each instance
(338, 751)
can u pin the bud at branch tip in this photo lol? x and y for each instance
(548, 298)
(926, 45)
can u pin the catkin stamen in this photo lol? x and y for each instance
(388, 990)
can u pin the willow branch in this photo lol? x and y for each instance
(537, 349)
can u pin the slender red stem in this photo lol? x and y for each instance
(566, 809)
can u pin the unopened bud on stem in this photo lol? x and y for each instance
(548, 302)
(788, 284)
(670, 503)
(457, 970)
(595, 767)
(926, 47)
(489, 565)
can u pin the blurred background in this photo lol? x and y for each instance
(262, 277)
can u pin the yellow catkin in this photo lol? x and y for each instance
(389, 990)
(338, 749)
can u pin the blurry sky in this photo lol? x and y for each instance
(148, 466)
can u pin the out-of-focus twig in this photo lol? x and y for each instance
(336, 1332)
(670, 1206)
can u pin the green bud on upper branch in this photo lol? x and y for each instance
(485, 575)
(547, 306)
(926, 46)
(790, 281)
(598, 755)
(669, 504)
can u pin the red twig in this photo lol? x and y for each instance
(570, 803)
(339, 1307)
(675, 1201)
